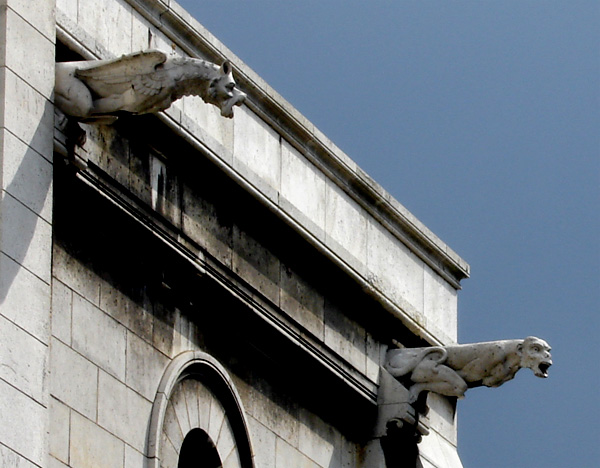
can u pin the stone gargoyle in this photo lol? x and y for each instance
(451, 370)
(141, 83)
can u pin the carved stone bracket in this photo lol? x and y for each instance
(98, 91)
(449, 371)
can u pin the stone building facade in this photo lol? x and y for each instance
(189, 287)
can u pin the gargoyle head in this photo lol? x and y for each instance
(222, 91)
(535, 354)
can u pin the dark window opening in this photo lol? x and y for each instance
(198, 451)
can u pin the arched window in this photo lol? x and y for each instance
(197, 418)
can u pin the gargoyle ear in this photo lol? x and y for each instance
(226, 67)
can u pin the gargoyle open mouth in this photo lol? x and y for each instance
(543, 369)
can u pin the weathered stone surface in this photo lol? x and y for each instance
(60, 430)
(24, 298)
(263, 441)
(39, 49)
(92, 446)
(286, 455)
(302, 301)
(87, 320)
(29, 106)
(395, 270)
(346, 226)
(62, 301)
(27, 175)
(318, 440)
(257, 152)
(74, 379)
(20, 417)
(122, 411)
(256, 264)
(303, 185)
(145, 366)
(76, 275)
(345, 336)
(23, 361)
(26, 238)
(440, 305)
(12, 459)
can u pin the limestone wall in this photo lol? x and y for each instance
(26, 115)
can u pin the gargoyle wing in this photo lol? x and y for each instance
(140, 70)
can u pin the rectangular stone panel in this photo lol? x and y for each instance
(106, 349)
(20, 417)
(74, 379)
(303, 185)
(257, 152)
(122, 411)
(23, 39)
(27, 176)
(393, 269)
(25, 298)
(92, 446)
(23, 361)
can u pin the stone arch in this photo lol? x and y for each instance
(197, 395)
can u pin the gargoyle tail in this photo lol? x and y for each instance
(401, 362)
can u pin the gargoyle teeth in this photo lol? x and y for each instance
(543, 368)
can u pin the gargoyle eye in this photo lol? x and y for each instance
(536, 349)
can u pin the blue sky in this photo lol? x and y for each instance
(483, 119)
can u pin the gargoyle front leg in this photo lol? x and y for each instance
(434, 377)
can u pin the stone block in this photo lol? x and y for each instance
(281, 417)
(318, 440)
(145, 366)
(59, 433)
(108, 22)
(23, 361)
(92, 446)
(24, 105)
(141, 33)
(203, 223)
(303, 185)
(440, 305)
(22, 38)
(345, 337)
(122, 412)
(263, 443)
(393, 269)
(125, 310)
(68, 8)
(110, 150)
(200, 118)
(27, 176)
(106, 349)
(11, 459)
(375, 356)
(24, 298)
(185, 334)
(22, 425)
(76, 275)
(62, 300)
(286, 455)
(257, 151)
(41, 18)
(54, 463)
(301, 301)
(133, 458)
(74, 379)
(25, 237)
(345, 225)
(256, 264)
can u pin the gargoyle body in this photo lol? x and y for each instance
(141, 83)
(451, 370)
